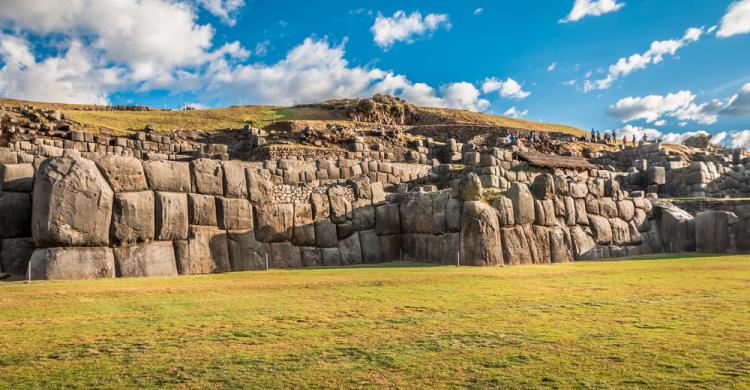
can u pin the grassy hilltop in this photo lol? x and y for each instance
(260, 116)
(668, 323)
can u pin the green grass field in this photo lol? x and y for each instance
(659, 323)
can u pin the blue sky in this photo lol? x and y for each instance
(656, 66)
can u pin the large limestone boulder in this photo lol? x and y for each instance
(245, 252)
(363, 215)
(422, 213)
(626, 209)
(321, 206)
(235, 185)
(207, 176)
(538, 237)
(169, 176)
(600, 229)
(390, 247)
(582, 216)
(171, 210)
(544, 212)
(480, 235)
(620, 231)
(303, 233)
(341, 207)
(370, 244)
(453, 215)
(607, 208)
(387, 220)
(72, 204)
(124, 174)
(516, 249)
(583, 244)
(578, 189)
(72, 263)
(350, 250)
(202, 210)
(147, 259)
(274, 222)
(133, 217)
(16, 177)
(523, 203)
(713, 230)
(471, 188)
(15, 214)
(439, 206)
(205, 251)
(259, 186)
(676, 227)
(326, 235)
(285, 255)
(234, 213)
(560, 251)
(543, 186)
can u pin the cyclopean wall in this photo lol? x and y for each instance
(121, 216)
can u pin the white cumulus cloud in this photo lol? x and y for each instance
(508, 89)
(226, 10)
(401, 27)
(680, 105)
(584, 8)
(736, 20)
(513, 112)
(739, 104)
(654, 55)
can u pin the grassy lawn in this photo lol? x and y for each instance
(675, 323)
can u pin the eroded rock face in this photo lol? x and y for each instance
(515, 247)
(523, 203)
(274, 223)
(471, 188)
(124, 174)
(169, 176)
(15, 254)
(147, 259)
(205, 251)
(676, 228)
(207, 176)
(16, 177)
(133, 217)
(72, 204)
(543, 186)
(480, 235)
(72, 263)
(713, 231)
(245, 252)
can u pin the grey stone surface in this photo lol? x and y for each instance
(168, 176)
(274, 222)
(515, 247)
(202, 210)
(601, 229)
(245, 252)
(171, 211)
(235, 184)
(133, 218)
(72, 263)
(16, 177)
(325, 234)
(205, 251)
(304, 227)
(543, 186)
(147, 259)
(480, 235)
(713, 230)
(234, 213)
(207, 176)
(350, 250)
(370, 246)
(124, 174)
(471, 188)
(363, 215)
(285, 255)
(523, 203)
(387, 219)
(72, 204)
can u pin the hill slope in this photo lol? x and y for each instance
(260, 116)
